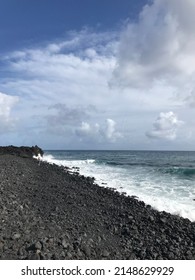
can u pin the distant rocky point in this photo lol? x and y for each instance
(23, 151)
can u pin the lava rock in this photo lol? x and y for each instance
(48, 213)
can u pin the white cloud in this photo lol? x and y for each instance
(7, 102)
(106, 132)
(70, 70)
(89, 132)
(71, 78)
(165, 126)
(70, 75)
(111, 133)
(86, 129)
(159, 48)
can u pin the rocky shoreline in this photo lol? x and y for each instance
(48, 213)
(23, 151)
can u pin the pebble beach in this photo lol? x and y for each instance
(49, 213)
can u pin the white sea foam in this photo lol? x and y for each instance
(161, 195)
(38, 157)
(90, 160)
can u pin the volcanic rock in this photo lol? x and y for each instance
(48, 213)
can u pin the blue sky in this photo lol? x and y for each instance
(25, 22)
(97, 74)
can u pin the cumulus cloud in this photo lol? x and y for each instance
(105, 132)
(7, 102)
(158, 49)
(165, 126)
(87, 130)
(111, 133)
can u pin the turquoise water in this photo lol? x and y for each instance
(165, 180)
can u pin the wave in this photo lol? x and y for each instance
(153, 188)
(166, 168)
(142, 164)
(187, 172)
(90, 161)
(48, 157)
(67, 162)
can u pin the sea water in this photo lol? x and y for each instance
(165, 180)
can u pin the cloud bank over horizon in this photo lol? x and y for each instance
(104, 90)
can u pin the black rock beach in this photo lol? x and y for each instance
(47, 212)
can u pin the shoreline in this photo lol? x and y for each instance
(48, 213)
(167, 188)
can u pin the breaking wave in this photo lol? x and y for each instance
(187, 172)
(166, 184)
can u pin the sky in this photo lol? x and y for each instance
(98, 74)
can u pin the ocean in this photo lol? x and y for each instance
(163, 179)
